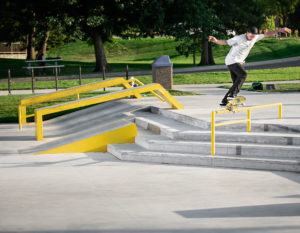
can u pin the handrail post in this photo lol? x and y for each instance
(248, 120)
(80, 77)
(103, 75)
(56, 79)
(127, 72)
(38, 118)
(20, 116)
(213, 133)
(9, 82)
(280, 111)
(32, 80)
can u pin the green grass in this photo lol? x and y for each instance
(9, 104)
(290, 87)
(140, 53)
(281, 74)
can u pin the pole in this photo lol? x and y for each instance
(127, 72)
(280, 111)
(56, 79)
(213, 138)
(103, 75)
(248, 120)
(9, 83)
(80, 77)
(32, 80)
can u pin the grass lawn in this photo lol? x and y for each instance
(9, 104)
(290, 87)
(140, 53)
(280, 74)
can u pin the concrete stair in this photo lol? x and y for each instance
(182, 140)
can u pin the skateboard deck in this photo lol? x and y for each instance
(234, 104)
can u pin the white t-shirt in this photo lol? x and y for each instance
(240, 48)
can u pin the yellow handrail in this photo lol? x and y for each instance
(248, 120)
(157, 88)
(68, 92)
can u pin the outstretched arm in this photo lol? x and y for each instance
(282, 30)
(214, 40)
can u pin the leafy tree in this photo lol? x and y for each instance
(280, 8)
(294, 19)
(191, 28)
(100, 20)
(32, 21)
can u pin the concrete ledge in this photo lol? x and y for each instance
(130, 152)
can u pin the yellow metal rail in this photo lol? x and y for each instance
(157, 88)
(248, 120)
(71, 91)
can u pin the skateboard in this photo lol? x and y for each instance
(234, 104)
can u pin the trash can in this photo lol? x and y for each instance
(162, 72)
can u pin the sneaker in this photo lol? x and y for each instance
(224, 102)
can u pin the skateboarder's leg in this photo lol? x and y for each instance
(234, 78)
(242, 75)
(238, 76)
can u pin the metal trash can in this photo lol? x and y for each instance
(162, 72)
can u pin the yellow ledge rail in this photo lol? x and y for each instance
(248, 120)
(69, 92)
(156, 88)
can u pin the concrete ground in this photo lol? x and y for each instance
(95, 192)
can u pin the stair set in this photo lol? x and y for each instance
(183, 140)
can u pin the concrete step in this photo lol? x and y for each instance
(256, 125)
(163, 144)
(181, 131)
(133, 152)
(87, 119)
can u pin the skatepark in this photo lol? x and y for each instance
(166, 180)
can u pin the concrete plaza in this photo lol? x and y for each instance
(95, 192)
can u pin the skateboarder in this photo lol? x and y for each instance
(235, 59)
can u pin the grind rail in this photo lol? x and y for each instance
(72, 91)
(248, 120)
(156, 88)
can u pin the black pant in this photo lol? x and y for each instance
(238, 76)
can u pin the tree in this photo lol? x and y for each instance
(100, 20)
(191, 28)
(294, 19)
(31, 19)
(280, 8)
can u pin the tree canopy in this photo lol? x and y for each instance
(188, 21)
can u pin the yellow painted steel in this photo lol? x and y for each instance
(213, 137)
(99, 142)
(100, 99)
(68, 92)
(231, 123)
(248, 121)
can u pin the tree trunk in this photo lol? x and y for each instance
(207, 54)
(44, 42)
(99, 53)
(210, 55)
(30, 45)
(194, 51)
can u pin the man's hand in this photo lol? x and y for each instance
(212, 39)
(284, 30)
